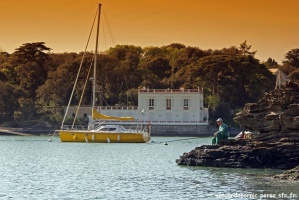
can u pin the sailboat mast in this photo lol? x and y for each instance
(95, 59)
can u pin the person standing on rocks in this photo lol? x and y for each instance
(222, 134)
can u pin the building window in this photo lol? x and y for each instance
(186, 104)
(168, 104)
(85, 115)
(151, 104)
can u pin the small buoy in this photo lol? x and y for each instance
(50, 140)
(118, 138)
(165, 143)
(92, 137)
(86, 139)
(108, 140)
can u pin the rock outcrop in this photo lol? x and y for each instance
(283, 154)
(276, 119)
(292, 174)
(276, 112)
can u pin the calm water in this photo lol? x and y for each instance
(33, 168)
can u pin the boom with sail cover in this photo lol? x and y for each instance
(97, 115)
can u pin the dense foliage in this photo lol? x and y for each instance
(36, 83)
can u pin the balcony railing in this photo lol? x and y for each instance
(117, 108)
(182, 90)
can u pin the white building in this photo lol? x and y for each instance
(174, 106)
(160, 106)
(174, 111)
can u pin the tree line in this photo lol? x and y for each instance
(36, 83)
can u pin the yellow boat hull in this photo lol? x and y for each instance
(102, 137)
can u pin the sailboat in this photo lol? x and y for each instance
(100, 132)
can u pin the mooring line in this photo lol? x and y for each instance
(166, 142)
(51, 139)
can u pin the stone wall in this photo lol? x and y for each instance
(182, 130)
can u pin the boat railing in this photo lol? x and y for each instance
(74, 127)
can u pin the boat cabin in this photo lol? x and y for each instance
(115, 128)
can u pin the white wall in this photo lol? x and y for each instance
(177, 113)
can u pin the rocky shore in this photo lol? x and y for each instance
(275, 117)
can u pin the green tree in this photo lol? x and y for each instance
(58, 87)
(29, 77)
(244, 49)
(159, 66)
(189, 55)
(3, 57)
(111, 78)
(149, 79)
(292, 58)
(294, 76)
(152, 52)
(7, 67)
(213, 101)
(235, 79)
(3, 77)
(231, 51)
(176, 46)
(271, 63)
(121, 51)
(29, 65)
(170, 52)
(287, 68)
(125, 75)
(8, 101)
(32, 52)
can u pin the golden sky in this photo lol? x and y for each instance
(270, 26)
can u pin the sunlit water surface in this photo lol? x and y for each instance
(33, 168)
